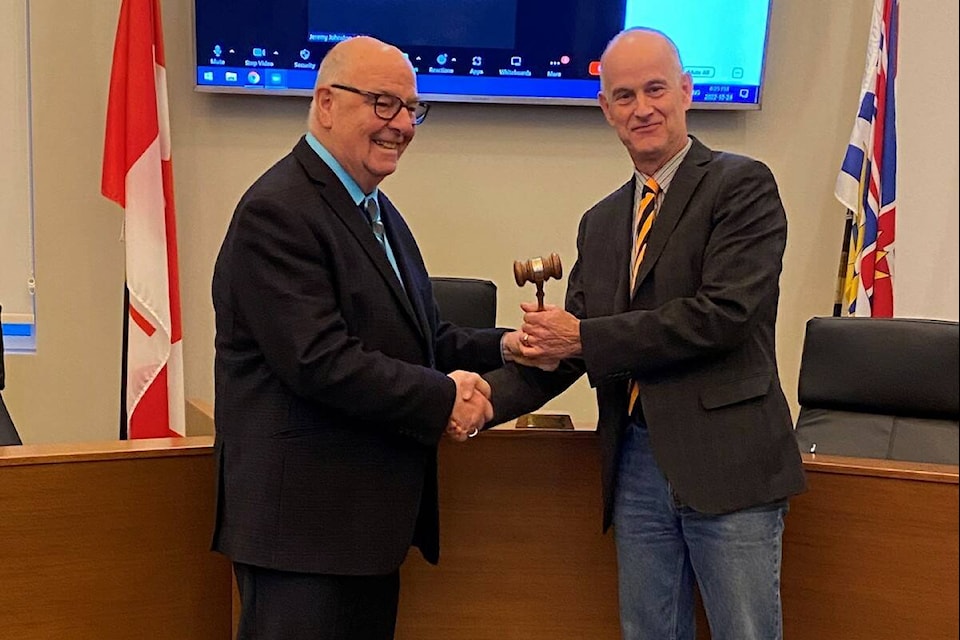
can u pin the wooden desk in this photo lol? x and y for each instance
(870, 551)
(109, 541)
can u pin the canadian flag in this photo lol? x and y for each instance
(138, 175)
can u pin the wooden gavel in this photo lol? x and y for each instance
(537, 270)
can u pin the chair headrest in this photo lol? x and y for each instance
(466, 302)
(897, 366)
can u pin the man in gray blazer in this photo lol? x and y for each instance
(335, 378)
(670, 310)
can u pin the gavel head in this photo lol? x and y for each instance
(537, 269)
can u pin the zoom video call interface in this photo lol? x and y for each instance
(480, 50)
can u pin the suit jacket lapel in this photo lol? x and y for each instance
(343, 206)
(621, 243)
(402, 253)
(684, 183)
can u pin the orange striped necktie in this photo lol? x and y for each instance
(646, 214)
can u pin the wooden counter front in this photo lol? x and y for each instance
(521, 552)
(110, 541)
(870, 551)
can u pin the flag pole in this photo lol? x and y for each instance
(842, 270)
(125, 339)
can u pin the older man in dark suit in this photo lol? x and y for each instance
(671, 310)
(332, 388)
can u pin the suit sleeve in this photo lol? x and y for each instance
(467, 348)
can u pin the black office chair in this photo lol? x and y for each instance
(880, 388)
(466, 302)
(8, 433)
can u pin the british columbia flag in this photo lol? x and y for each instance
(867, 184)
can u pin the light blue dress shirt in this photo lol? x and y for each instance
(359, 198)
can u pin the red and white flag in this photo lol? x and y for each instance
(138, 175)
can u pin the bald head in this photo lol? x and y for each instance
(639, 41)
(341, 63)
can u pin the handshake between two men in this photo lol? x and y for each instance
(548, 335)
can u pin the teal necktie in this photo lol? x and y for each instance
(371, 209)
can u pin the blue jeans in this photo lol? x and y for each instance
(664, 545)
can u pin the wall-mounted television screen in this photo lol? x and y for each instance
(501, 51)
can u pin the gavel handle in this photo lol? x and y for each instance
(539, 296)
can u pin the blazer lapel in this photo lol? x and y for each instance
(621, 244)
(684, 183)
(402, 253)
(343, 206)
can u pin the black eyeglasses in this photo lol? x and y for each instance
(386, 106)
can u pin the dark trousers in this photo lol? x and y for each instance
(281, 605)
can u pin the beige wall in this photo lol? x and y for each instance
(927, 282)
(481, 187)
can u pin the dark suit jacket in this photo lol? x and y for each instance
(331, 393)
(698, 334)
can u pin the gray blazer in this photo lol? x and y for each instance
(697, 333)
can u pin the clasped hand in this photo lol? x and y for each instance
(546, 337)
(472, 408)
